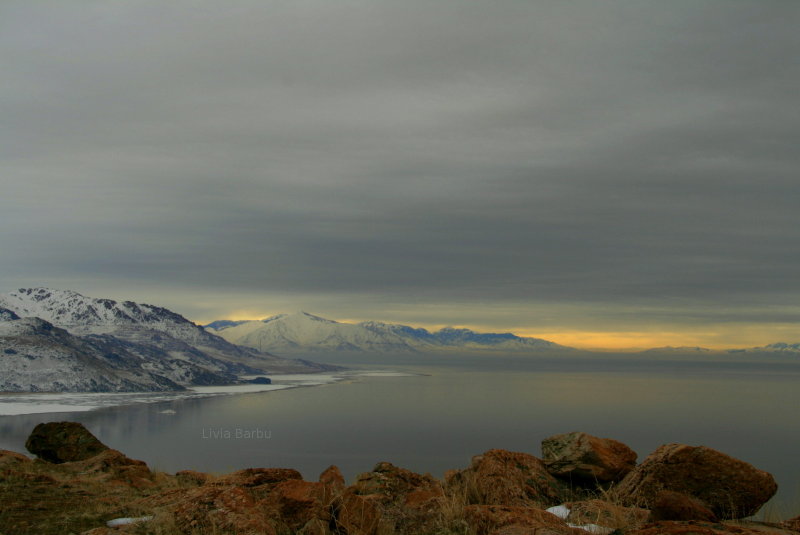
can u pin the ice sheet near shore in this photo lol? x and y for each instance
(12, 404)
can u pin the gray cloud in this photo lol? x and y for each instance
(586, 157)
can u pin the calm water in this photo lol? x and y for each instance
(437, 421)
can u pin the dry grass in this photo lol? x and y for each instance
(45, 499)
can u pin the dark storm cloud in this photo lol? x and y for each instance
(633, 153)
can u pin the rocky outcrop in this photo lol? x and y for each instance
(500, 477)
(332, 477)
(389, 483)
(500, 493)
(730, 488)
(61, 442)
(670, 505)
(581, 457)
(408, 501)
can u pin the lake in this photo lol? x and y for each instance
(459, 407)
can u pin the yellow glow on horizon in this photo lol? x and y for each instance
(712, 336)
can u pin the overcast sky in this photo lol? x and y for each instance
(597, 173)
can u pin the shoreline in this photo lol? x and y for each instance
(27, 403)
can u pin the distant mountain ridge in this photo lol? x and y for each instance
(304, 333)
(779, 347)
(101, 342)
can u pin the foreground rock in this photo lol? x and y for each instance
(581, 457)
(669, 505)
(730, 488)
(62, 442)
(500, 493)
(408, 502)
(500, 477)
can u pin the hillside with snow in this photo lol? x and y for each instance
(305, 334)
(101, 342)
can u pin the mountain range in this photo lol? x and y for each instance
(307, 335)
(59, 340)
(304, 334)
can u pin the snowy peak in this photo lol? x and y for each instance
(298, 317)
(71, 309)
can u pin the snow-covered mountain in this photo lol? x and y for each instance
(150, 338)
(37, 356)
(305, 334)
(302, 333)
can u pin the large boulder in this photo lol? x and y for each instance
(581, 457)
(500, 477)
(730, 488)
(62, 442)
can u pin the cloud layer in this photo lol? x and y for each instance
(550, 164)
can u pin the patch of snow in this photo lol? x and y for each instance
(127, 520)
(561, 511)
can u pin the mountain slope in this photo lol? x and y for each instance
(36, 356)
(154, 340)
(302, 333)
